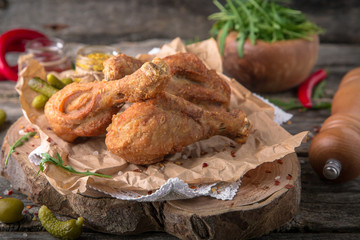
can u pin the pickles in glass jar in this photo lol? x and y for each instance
(90, 59)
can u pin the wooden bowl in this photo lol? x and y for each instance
(270, 67)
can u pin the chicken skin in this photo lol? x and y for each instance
(120, 66)
(147, 131)
(190, 79)
(86, 109)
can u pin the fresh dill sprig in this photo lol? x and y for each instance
(47, 158)
(18, 143)
(258, 19)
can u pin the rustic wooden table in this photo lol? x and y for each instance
(326, 210)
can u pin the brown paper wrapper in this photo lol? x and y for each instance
(226, 161)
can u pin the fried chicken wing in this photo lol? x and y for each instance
(86, 109)
(147, 131)
(190, 79)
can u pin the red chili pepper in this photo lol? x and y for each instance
(306, 88)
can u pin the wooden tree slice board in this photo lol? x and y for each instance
(269, 196)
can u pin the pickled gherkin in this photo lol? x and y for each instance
(66, 230)
(66, 81)
(42, 87)
(54, 81)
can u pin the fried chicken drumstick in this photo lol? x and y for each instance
(147, 131)
(190, 79)
(86, 109)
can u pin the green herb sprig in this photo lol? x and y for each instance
(47, 158)
(258, 19)
(318, 94)
(18, 143)
(287, 105)
(293, 104)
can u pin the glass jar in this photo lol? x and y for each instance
(50, 52)
(90, 59)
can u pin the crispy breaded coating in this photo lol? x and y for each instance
(191, 79)
(119, 66)
(86, 109)
(147, 131)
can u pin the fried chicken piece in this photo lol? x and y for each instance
(147, 131)
(119, 66)
(193, 81)
(190, 79)
(86, 109)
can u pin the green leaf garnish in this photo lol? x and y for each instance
(240, 44)
(319, 90)
(293, 104)
(288, 105)
(47, 158)
(18, 143)
(322, 105)
(223, 35)
(257, 19)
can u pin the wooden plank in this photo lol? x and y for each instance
(325, 207)
(110, 21)
(312, 236)
(338, 18)
(85, 235)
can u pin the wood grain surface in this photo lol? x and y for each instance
(327, 211)
(260, 205)
(109, 21)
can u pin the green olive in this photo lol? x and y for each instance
(11, 210)
(2, 116)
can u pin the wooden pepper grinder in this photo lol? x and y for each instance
(335, 152)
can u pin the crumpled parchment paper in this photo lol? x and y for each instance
(181, 175)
